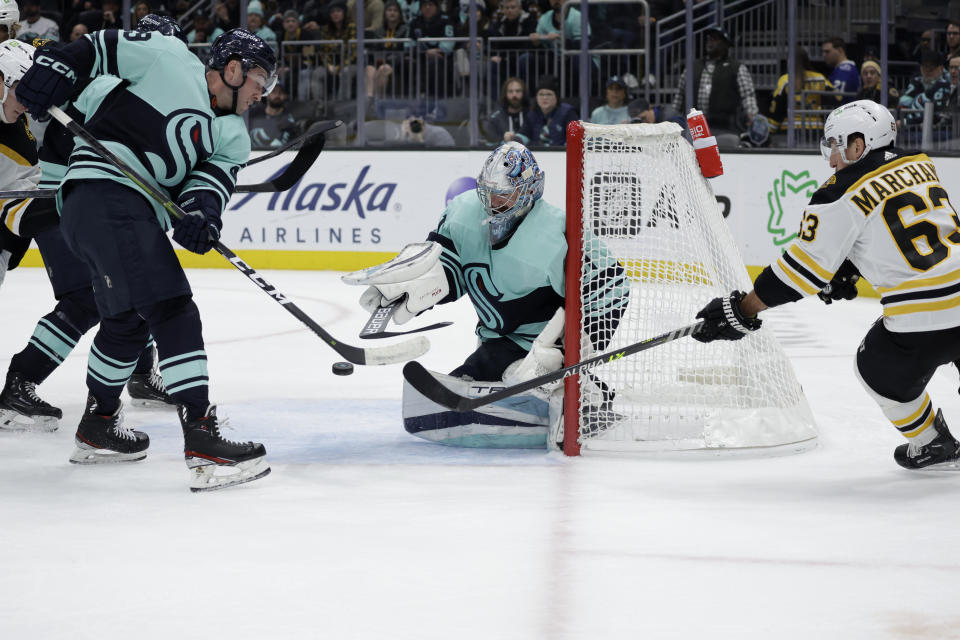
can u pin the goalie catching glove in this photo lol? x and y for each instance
(723, 320)
(415, 277)
(544, 356)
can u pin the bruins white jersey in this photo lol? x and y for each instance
(891, 217)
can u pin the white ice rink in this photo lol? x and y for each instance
(363, 531)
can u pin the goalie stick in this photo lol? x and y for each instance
(375, 356)
(374, 328)
(421, 379)
(312, 141)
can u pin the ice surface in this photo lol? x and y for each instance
(363, 531)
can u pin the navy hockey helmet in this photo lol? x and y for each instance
(162, 24)
(250, 49)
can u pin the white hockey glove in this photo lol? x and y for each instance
(544, 356)
(415, 275)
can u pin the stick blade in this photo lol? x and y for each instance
(432, 389)
(396, 353)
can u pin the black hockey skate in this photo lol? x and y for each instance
(148, 392)
(942, 453)
(22, 409)
(102, 439)
(214, 462)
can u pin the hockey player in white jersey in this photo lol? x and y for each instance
(885, 215)
(504, 247)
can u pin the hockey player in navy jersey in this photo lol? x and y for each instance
(883, 214)
(156, 106)
(75, 313)
(504, 247)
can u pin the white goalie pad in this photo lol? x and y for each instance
(518, 422)
(413, 261)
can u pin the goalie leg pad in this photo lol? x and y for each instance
(519, 422)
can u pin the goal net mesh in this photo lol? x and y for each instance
(643, 200)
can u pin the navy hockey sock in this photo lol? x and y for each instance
(176, 326)
(54, 337)
(146, 361)
(113, 357)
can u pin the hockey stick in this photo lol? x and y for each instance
(379, 355)
(300, 164)
(374, 328)
(313, 141)
(421, 379)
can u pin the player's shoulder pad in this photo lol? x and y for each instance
(841, 181)
(230, 138)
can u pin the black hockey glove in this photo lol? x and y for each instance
(843, 286)
(723, 320)
(199, 231)
(49, 82)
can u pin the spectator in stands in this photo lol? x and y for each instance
(140, 10)
(412, 131)
(336, 64)
(410, 9)
(870, 74)
(954, 68)
(372, 13)
(33, 25)
(641, 111)
(721, 84)
(812, 93)
(507, 119)
(550, 32)
(546, 124)
(927, 42)
(513, 23)
(932, 85)
(271, 125)
(79, 30)
(112, 18)
(200, 30)
(953, 40)
(614, 110)
(389, 57)
(843, 74)
(461, 57)
(255, 25)
(297, 61)
(432, 24)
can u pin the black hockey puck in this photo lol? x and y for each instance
(342, 368)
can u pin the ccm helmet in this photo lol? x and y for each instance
(251, 50)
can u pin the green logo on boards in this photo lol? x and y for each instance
(791, 191)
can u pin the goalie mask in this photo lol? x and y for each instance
(15, 59)
(866, 117)
(509, 184)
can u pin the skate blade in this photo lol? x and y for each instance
(206, 478)
(15, 421)
(85, 454)
(951, 466)
(145, 403)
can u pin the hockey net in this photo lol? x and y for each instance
(636, 192)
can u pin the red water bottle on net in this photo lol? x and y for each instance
(704, 144)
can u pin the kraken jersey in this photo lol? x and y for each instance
(160, 122)
(891, 217)
(518, 286)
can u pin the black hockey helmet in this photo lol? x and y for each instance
(250, 49)
(162, 24)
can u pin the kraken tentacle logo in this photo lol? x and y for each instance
(483, 293)
(187, 141)
(791, 191)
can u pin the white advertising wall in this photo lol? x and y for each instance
(373, 202)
